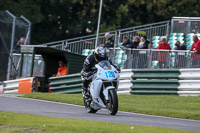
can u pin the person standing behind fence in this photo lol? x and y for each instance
(142, 55)
(17, 48)
(109, 41)
(135, 42)
(180, 57)
(126, 43)
(143, 43)
(195, 52)
(163, 55)
(133, 45)
(150, 46)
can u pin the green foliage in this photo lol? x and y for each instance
(61, 19)
(163, 105)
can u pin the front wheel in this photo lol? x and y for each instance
(87, 103)
(113, 102)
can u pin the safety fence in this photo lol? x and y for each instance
(12, 28)
(185, 25)
(77, 45)
(154, 58)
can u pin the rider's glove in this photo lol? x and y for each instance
(95, 70)
(119, 70)
(89, 74)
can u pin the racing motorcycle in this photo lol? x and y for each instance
(103, 89)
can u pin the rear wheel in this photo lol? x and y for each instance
(113, 102)
(87, 103)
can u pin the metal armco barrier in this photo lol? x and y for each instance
(73, 83)
(1, 87)
(125, 80)
(126, 74)
(25, 85)
(66, 84)
(155, 81)
(189, 82)
(189, 74)
(156, 74)
(184, 82)
(189, 85)
(11, 85)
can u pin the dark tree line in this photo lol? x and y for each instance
(61, 19)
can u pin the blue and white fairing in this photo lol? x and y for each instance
(106, 73)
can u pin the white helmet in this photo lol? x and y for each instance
(100, 51)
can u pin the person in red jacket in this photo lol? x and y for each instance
(196, 52)
(163, 55)
(62, 70)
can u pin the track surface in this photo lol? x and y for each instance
(55, 109)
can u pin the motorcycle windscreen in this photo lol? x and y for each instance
(105, 65)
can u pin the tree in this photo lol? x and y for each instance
(62, 19)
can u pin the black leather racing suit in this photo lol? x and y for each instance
(89, 68)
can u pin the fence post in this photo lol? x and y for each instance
(189, 26)
(12, 43)
(149, 58)
(172, 25)
(167, 32)
(29, 30)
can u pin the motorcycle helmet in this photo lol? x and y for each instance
(100, 52)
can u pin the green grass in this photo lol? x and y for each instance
(163, 105)
(26, 123)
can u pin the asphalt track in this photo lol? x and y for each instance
(55, 109)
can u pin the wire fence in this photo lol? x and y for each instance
(12, 28)
(185, 25)
(77, 45)
(154, 59)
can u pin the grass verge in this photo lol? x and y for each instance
(163, 105)
(26, 123)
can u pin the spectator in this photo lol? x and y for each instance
(142, 54)
(143, 43)
(181, 47)
(66, 48)
(150, 46)
(177, 45)
(180, 57)
(126, 42)
(163, 55)
(17, 48)
(196, 52)
(62, 70)
(135, 42)
(109, 41)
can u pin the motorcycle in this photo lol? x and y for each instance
(103, 89)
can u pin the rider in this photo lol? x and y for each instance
(89, 67)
